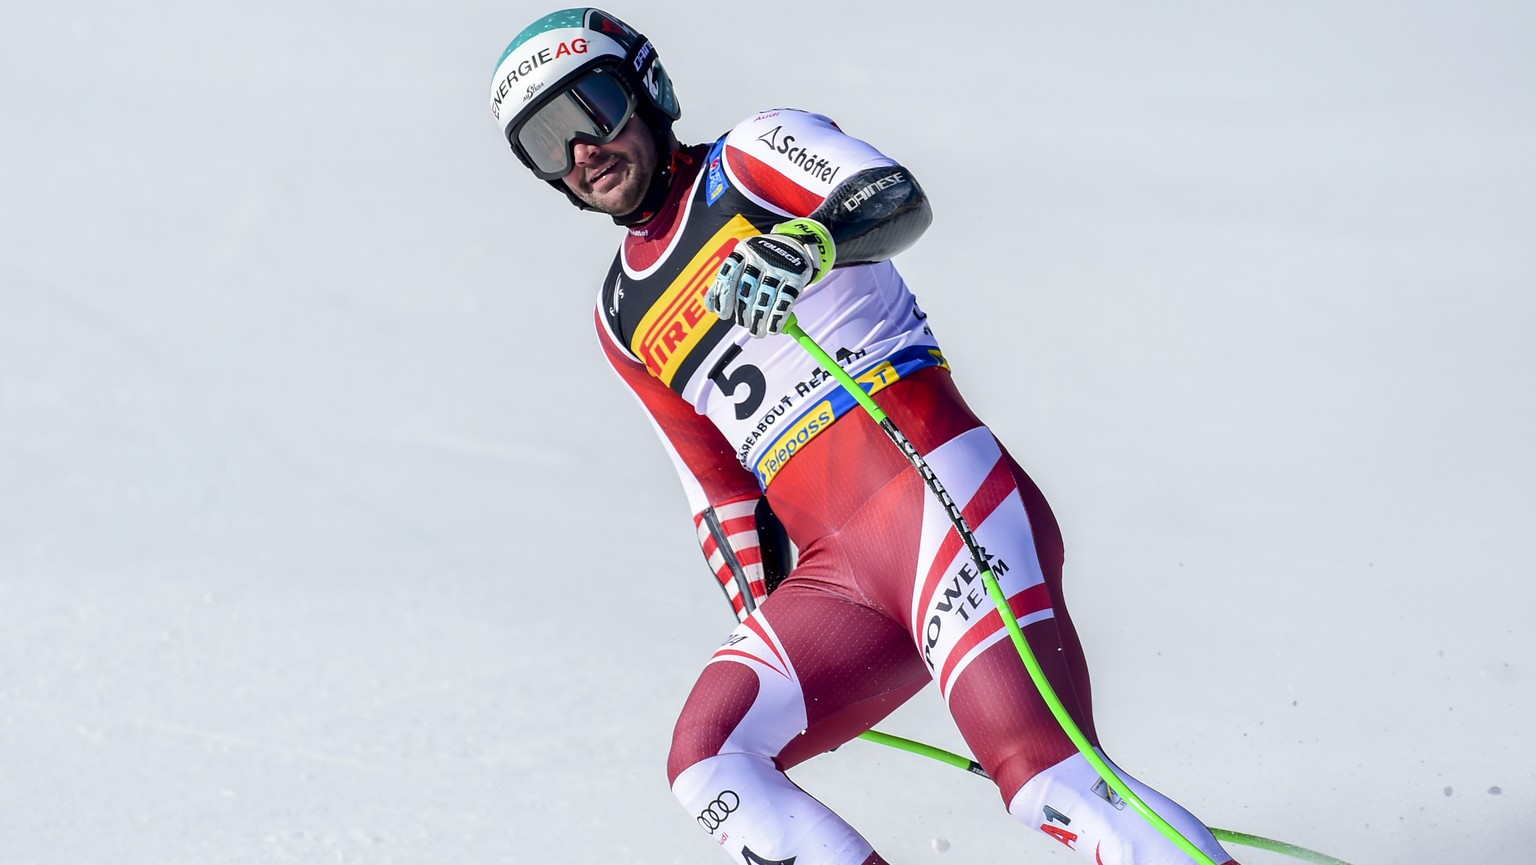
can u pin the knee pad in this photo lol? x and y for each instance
(747, 700)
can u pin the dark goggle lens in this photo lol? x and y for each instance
(594, 110)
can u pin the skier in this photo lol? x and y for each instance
(783, 214)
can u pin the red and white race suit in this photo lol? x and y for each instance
(884, 598)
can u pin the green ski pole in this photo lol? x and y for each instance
(1011, 622)
(1258, 842)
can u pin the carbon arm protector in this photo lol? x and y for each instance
(875, 214)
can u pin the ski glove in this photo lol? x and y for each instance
(765, 273)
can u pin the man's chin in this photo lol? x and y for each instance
(616, 202)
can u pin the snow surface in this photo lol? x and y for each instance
(326, 535)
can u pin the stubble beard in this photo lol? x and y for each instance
(638, 166)
(622, 198)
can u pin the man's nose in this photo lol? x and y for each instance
(582, 152)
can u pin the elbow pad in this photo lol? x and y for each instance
(747, 549)
(875, 214)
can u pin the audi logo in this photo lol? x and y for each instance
(715, 812)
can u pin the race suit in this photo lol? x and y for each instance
(883, 597)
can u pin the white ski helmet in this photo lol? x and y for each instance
(577, 75)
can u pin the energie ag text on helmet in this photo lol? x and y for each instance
(530, 63)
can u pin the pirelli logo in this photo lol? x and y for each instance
(673, 326)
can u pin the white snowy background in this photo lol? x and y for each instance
(327, 536)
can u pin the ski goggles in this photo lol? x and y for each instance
(592, 109)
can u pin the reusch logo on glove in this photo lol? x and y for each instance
(790, 258)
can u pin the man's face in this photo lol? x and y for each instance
(613, 177)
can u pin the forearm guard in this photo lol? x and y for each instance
(875, 214)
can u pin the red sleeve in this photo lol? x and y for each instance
(705, 462)
(743, 542)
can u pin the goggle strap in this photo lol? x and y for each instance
(640, 58)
